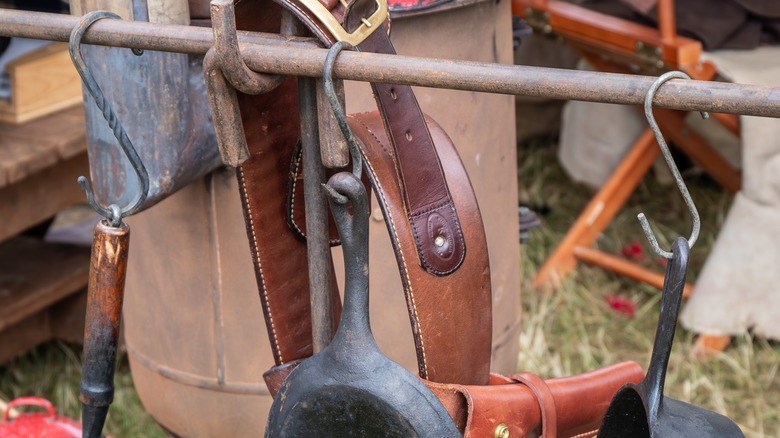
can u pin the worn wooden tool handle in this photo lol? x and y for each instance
(108, 267)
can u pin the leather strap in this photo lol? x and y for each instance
(272, 125)
(580, 403)
(452, 315)
(546, 402)
(441, 247)
(431, 211)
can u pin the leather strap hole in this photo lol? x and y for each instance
(393, 94)
(409, 135)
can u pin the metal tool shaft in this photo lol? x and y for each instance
(299, 56)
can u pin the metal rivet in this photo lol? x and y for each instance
(502, 431)
(438, 241)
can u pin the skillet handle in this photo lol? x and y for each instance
(674, 283)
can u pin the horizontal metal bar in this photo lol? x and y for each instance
(299, 56)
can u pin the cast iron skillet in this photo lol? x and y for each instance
(642, 410)
(350, 389)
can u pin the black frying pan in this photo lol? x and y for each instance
(642, 410)
(350, 389)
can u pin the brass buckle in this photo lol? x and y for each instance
(368, 26)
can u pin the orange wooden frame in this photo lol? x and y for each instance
(615, 45)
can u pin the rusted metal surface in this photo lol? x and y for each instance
(296, 56)
(317, 232)
(228, 127)
(223, 19)
(108, 267)
(334, 151)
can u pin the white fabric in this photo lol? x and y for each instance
(739, 286)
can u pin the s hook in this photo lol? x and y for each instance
(338, 110)
(113, 212)
(672, 167)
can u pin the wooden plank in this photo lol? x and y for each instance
(64, 320)
(29, 148)
(36, 274)
(123, 8)
(41, 196)
(24, 335)
(42, 82)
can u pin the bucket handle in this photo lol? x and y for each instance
(29, 401)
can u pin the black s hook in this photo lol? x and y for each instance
(113, 212)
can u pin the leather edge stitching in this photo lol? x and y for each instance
(258, 265)
(381, 192)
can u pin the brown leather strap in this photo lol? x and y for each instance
(546, 402)
(438, 236)
(505, 404)
(437, 230)
(452, 315)
(272, 126)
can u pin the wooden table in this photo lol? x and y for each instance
(41, 284)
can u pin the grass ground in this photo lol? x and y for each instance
(570, 331)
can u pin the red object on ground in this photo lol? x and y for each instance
(633, 251)
(40, 424)
(621, 305)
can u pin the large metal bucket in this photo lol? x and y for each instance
(193, 320)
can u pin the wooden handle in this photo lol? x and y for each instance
(108, 267)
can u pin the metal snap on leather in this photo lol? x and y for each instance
(502, 431)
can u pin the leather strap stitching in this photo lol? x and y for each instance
(294, 171)
(379, 190)
(258, 267)
(590, 434)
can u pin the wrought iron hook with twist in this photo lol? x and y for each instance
(672, 167)
(113, 212)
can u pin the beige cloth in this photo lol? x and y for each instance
(739, 286)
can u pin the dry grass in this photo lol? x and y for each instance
(573, 330)
(53, 371)
(566, 332)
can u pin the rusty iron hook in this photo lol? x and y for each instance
(672, 167)
(113, 212)
(223, 19)
(338, 110)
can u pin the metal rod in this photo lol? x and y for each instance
(317, 235)
(298, 56)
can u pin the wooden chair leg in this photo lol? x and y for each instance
(730, 121)
(673, 124)
(709, 346)
(601, 210)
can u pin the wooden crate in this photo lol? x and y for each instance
(42, 82)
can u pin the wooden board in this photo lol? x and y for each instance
(42, 82)
(64, 320)
(35, 275)
(29, 148)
